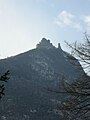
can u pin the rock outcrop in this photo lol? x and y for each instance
(45, 44)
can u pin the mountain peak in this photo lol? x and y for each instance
(44, 43)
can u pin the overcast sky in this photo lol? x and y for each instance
(23, 23)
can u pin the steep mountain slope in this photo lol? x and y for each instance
(32, 74)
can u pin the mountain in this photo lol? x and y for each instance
(33, 74)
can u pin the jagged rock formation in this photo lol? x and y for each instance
(32, 74)
(45, 44)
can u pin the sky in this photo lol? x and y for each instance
(23, 23)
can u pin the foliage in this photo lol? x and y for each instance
(3, 78)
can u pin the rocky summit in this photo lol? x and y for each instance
(33, 76)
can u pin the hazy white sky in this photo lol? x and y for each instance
(23, 23)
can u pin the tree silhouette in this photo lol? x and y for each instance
(76, 106)
(3, 78)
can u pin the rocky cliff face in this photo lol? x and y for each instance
(32, 74)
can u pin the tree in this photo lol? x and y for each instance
(82, 52)
(3, 78)
(76, 106)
